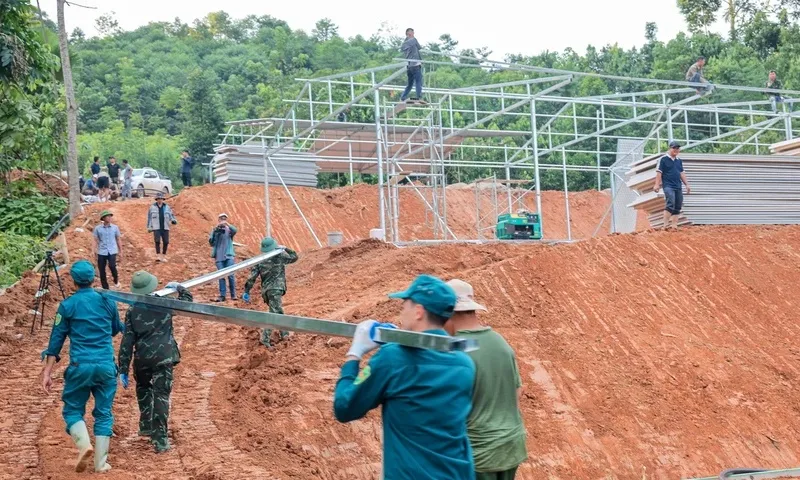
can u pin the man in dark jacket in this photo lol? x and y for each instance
(149, 339)
(113, 170)
(273, 282)
(96, 166)
(159, 218)
(186, 168)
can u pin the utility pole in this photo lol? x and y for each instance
(72, 117)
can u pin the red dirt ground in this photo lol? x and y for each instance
(651, 355)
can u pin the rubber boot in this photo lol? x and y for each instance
(80, 435)
(101, 453)
(161, 445)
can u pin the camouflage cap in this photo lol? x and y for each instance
(82, 272)
(268, 244)
(143, 283)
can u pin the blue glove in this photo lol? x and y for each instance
(375, 327)
(246, 298)
(124, 379)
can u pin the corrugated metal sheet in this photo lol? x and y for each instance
(727, 189)
(246, 165)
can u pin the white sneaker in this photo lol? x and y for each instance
(80, 435)
(117, 286)
(101, 454)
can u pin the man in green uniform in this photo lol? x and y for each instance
(89, 320)
(149, 339)
(273, 282)
(426, 395)
(495, 427)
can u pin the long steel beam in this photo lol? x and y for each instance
(256, 319)
(222, 273)
(756, 475)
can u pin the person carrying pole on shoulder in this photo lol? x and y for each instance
(90, 320)
(495, 428)
(149, 339)
(426, 395)
(273, 282)
(159, 219)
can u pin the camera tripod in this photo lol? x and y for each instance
(44, 289)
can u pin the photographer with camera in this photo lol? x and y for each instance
(221, 241)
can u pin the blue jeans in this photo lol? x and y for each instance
(97, 379)
(414, 77)
(674, 200)
(231, 279)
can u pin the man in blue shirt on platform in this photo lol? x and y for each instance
(89, 320)
(669, 173)
(426, 396)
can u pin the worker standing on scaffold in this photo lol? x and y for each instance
(411, 48)
(89, 320)
(426, 395)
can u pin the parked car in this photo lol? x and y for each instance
(147, 181)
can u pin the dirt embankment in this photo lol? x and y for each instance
(653, 355)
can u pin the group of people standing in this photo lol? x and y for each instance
(104, 177)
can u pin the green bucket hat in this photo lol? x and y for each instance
(143, 283)
(105, 213)
(268, 244)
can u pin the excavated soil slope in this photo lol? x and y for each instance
(653, 355)
(354, 211)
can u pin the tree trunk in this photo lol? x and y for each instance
(72, 118)
(732, 18)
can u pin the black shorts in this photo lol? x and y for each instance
(674, 200)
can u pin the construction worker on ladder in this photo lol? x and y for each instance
(273, 282)
(89, 320)
(150, 341)
(426, 395)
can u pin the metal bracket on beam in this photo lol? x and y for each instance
(222, 273)
(256, 319)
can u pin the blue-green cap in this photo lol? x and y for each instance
(433, 294)
(82, 272)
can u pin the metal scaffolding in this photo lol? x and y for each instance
(538, 125)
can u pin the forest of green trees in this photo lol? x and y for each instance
(146, 94)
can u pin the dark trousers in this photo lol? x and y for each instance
(414, 78)
(186, 177)
(273, 298)
(161, 236)
(504, 475)
(153, 388)
(673, 199)
(111, 261)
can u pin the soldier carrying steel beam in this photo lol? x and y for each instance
(273, 282)
(149, 339)
(426, 395)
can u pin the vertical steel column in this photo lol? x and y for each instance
(686, 123)
(352, 89)
(602, 113)
(475, 105)
(716, 117)
(266, 189)
(535, 134)
(549, 139)
(613, 184)
(633, 97)
(670, 133)
(311, 103)
(330, 99)
(508, 179)
(450, 102)
(788, 126)
(444, 173)
(575, 120)
(478, 211)
(599, 180)
(566, 192)
(502, 99)
(381, 202)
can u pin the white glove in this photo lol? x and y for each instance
(362, 341)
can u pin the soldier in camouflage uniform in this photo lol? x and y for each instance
(149, 339)
(273, 282)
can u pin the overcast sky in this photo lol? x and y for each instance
(527, 27)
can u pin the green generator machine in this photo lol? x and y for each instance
(519, 226)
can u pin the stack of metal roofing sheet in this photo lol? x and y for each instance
(786, 147)
(726, 189)
(245, 165)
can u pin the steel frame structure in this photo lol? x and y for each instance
(352, 123)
